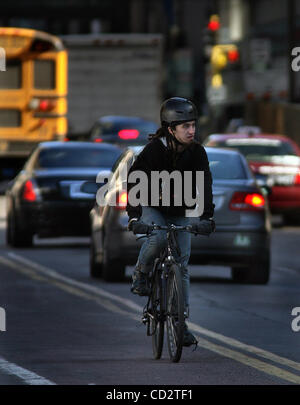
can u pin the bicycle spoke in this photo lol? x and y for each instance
(175, 318)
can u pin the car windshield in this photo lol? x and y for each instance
(224, 166)
(81, 157)
(259, 149)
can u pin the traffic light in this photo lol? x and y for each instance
(214, 23)
(210, 34)
(233, 55)
(220, 56)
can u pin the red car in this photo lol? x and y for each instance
(275, 161)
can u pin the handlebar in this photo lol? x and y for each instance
(187, 228)
(173, 227)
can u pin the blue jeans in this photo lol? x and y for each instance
(153, 245)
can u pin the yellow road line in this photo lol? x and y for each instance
(249, 361)
(64, 284)
(239, 345)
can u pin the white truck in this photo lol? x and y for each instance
(113, 74)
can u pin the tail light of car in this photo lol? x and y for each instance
(121, 202)
(243, 201)
(29, 192)
(297, 179)
(128, 134)
(98, 140)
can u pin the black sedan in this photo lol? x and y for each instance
(122, 130)
(242, 239)
(45, 197)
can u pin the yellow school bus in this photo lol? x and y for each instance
(33, 91)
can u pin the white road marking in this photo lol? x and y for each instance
(27, 376)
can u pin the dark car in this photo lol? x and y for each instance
(122, 130)
(242, 239)
(45, 197)
(274, 160)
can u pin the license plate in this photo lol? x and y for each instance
(242, 240)
(71, 188)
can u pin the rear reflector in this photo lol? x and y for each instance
(242, 201)
(28, 192)
(128, 133)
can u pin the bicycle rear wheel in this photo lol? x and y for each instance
(175, 313)
(156, 317)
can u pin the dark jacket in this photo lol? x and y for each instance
(157, 157)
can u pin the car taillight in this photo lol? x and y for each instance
(121, 200)
(297, 179)
(128, 133)
(242, 201)
(98, 140)
(29, 193)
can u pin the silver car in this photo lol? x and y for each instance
(241, 240)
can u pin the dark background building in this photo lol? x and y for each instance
(272, 24)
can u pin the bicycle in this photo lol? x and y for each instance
(165, 303)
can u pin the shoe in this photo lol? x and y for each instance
(188, 338)
(140, 283)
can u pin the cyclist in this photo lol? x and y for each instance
(173, 147)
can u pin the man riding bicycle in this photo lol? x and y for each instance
(172, 148)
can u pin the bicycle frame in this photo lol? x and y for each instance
(158, 315)
(165, 305)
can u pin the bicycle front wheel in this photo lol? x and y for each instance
(156, 317)
(175, 313)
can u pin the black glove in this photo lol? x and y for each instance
(204, 227)
(137, 226)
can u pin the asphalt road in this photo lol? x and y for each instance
(62, 327)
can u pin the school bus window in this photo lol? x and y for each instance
(10, 118)
(11, 78)
(44, 74)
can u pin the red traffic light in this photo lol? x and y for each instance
(214, 23)
(233, 55)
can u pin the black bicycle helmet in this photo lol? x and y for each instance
(176, 110)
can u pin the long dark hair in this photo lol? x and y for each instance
(160, 133)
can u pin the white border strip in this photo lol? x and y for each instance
(27, 376)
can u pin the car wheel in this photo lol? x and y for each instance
(15, 236)
(113, 269)
(95, 267)
(258, 273)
